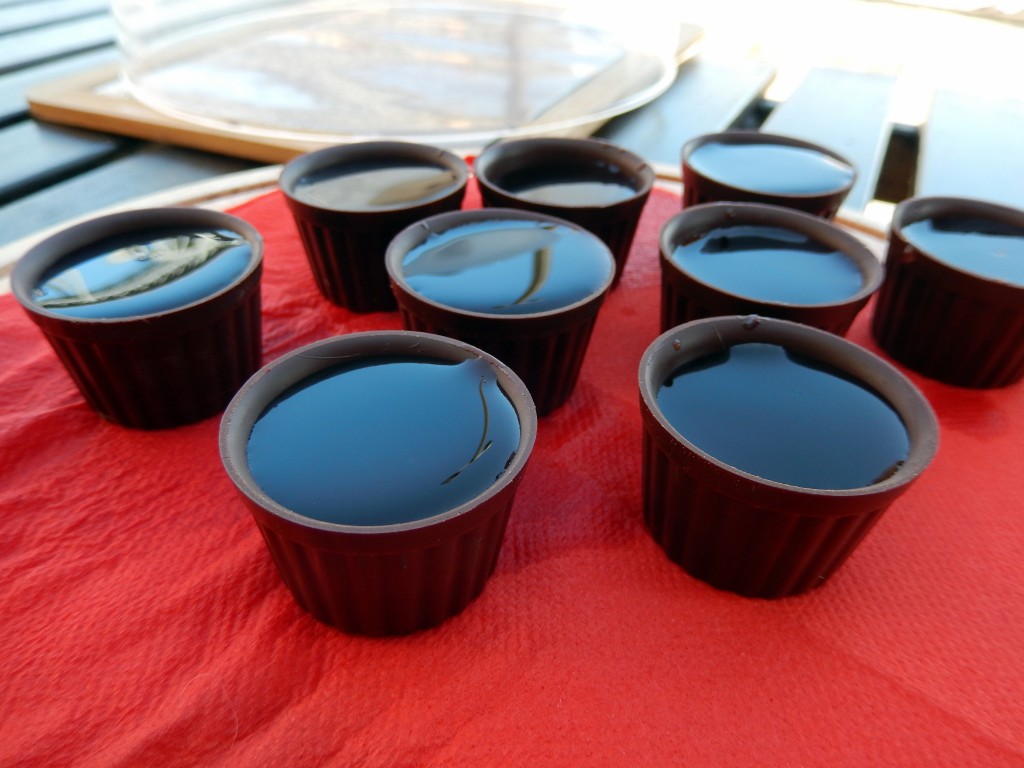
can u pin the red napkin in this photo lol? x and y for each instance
(144, 623)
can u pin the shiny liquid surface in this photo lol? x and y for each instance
(384, 441)
(569, 185)
(143, 273)
(374, 185)
(990, 249)
(508, 267)
(770, 168)
(784, 417)
(770, 264)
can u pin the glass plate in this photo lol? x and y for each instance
(456, 73)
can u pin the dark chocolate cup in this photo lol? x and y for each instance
(699, 188)
(685, 298)
(546, 349)
(614, 223)
(346, 249)
(387, 579)
(743, 533)
(157, 370)
(945, 322)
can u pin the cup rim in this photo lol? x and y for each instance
(339, 154)
(565, 148)
(30, 268)
(700, 337)
(735, 213)
(915, 209)
(760, 137)
(292, 367)
(415, 233)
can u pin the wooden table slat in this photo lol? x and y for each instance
(25, 49)
(847, 112)
(973, 146)
(13, 87)
(151, 168)
(37, 154)
(707, 96)
(26, 16)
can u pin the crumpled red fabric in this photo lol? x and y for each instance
(144, 623)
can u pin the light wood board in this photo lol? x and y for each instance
(96, 99)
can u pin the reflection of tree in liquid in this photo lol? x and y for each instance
(470, 251)
(484, 443)
(541, 271)
(156, 263)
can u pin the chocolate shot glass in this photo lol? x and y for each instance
(952, 304)
(154, 313)
(348, 201)
(755, 167)
(595, 184)
(749, 258)
(771, 448)
(381, 470)
(523, 286)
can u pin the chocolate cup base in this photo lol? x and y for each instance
(386, 579)
(161, 383)
(392, 599)
(161, 370)
(744, 533)
(344, 268)
(685, 297)
(763, 554)
(948, 324)
(545, 349)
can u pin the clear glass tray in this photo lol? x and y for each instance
(453, 73)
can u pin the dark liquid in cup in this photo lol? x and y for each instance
(983, 247)
(569, 185)
(770, 264)
(385, 440)
(374, 184)
(508, 267)
(142, 273)
(782, 416)
(770, 168)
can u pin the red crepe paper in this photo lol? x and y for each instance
(144, 623)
